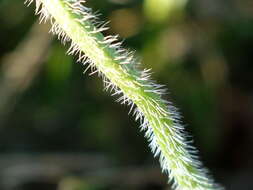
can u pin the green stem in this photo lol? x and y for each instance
(74, 22)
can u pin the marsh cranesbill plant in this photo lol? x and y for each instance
(104, 55)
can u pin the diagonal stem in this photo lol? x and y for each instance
(119, 70)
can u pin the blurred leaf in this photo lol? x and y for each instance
(161, 10)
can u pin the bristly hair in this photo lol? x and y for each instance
(74, 23)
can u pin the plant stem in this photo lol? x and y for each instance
(119, 69)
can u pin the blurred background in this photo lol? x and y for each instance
(60, 131)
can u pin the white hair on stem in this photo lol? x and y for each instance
(73, 22)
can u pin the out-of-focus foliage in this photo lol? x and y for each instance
(162, 10)
(201, 50)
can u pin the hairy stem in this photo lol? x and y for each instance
(119, 69)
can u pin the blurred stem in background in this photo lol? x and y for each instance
(20, 67)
